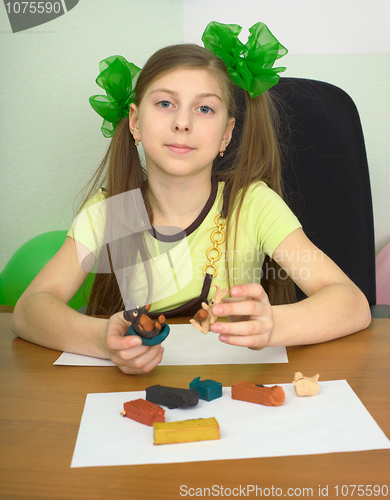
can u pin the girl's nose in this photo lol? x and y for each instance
(182, 122)
(179, 127)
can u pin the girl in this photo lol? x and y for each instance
(183, 114)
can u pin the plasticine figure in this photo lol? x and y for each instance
(204, 318)
(143, 325)
(306, 386)
(253, 393)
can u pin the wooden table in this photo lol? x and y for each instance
(42, 405)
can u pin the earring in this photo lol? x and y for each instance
(137, 143)
(221, 153)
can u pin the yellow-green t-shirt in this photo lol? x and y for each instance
(177, 267)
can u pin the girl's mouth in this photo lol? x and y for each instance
(180, 149)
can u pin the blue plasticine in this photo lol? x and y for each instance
(155, 340)
(207, 389)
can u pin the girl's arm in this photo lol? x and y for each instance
(335, 307)
(42, 316)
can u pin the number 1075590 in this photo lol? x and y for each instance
(33, 7)
(359, 490)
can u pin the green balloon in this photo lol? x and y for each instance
(2, 298)
(26, 263)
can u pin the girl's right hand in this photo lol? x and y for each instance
(128, 353)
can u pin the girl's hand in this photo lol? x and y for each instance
(128, 353)
(251, 318)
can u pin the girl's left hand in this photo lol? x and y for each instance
(251, 318)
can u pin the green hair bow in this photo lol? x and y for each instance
(118, 78)
(249, 65)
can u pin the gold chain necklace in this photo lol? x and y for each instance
(216, 242)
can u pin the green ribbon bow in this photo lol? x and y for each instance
(118, 78)
(249, 65)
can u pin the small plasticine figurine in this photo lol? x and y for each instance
(172, 397)
(142, 324)
(143, 411)
(152, 332)
(203, 319)
(306, 386)
(207, 389)
(252, 393)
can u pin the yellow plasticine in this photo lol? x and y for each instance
(200, 429)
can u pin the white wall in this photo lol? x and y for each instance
(50, 140)
(303, 26)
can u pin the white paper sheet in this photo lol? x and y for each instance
(187, 346)
(333, 421)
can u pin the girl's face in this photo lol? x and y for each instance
(182, 122)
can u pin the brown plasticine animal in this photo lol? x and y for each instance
(142, 324)
(204, 318)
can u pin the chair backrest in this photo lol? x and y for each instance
(326, 174)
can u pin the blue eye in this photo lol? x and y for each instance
(205, 110)
(164, 104)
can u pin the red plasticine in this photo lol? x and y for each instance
(269, 396)
(144, 411)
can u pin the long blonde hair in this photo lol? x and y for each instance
(257, 157)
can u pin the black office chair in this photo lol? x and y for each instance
(326, 175)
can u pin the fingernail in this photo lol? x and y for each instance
(216, 328)
(223, 338)
(236, 290)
